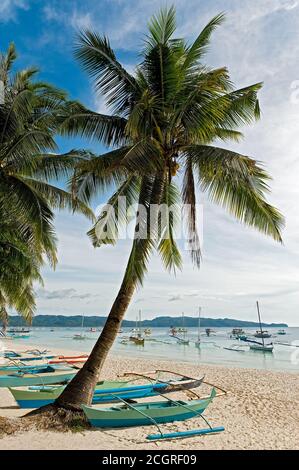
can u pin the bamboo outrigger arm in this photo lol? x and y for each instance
(146, 375)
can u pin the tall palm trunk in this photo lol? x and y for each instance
(80, 389)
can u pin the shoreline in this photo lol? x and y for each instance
(258, 401)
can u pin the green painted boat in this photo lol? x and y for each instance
(105, 391)
(147, 413)
(20, 380)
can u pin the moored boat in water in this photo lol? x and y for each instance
(281, 332)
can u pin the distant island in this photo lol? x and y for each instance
(163, 322)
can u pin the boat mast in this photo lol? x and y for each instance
(198, 332)
(183, 322)
(140, 322)
(259, 315)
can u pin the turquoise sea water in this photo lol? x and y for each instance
(160, 345)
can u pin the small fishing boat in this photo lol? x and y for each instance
(262, 334)
(105, 391)
(18, 330)
(23, 357)
(281, 332)
(256, 345)
(147, 331)
(136, 336)
(150, 413)
(181, 339)
(23, 379)
(182, 330)
(136, 340)
(80, 336)
(209, 331)
(262, 347)
(236, 333)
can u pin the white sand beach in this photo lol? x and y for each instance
(261, 411)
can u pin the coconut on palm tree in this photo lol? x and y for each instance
(163, 123)
(30, 113)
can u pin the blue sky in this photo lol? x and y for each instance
(258, 42)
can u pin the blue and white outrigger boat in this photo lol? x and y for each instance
(107, 391)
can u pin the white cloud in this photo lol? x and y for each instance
(8, 8)
(81, 21)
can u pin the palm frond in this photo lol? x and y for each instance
(239, 184)
(111, 79)
(161, 27)
(167, 246)
(200, 46)
(114, 214)
(189, 205)
(77, 120)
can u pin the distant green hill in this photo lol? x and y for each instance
(165, 322)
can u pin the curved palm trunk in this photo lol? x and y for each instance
(80, 390)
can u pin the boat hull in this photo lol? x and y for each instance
(156, 412)
(36, 379)
(105, 392)
(256, 347)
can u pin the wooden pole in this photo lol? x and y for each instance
(259, 315)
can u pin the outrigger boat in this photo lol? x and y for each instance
(151, 413)
(236, 333)
(281, 332)
(261, 347)
(181, 339)
(256, 345)
(107, 391)
(37, 378)
(209, 331)
(80, 336)
(12, 355)
(262, 334)
(136, 336)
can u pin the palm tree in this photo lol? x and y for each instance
(19, 268)
(30, 114)
(164, 120)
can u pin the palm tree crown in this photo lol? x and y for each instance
(29, 118)
(164, 119)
